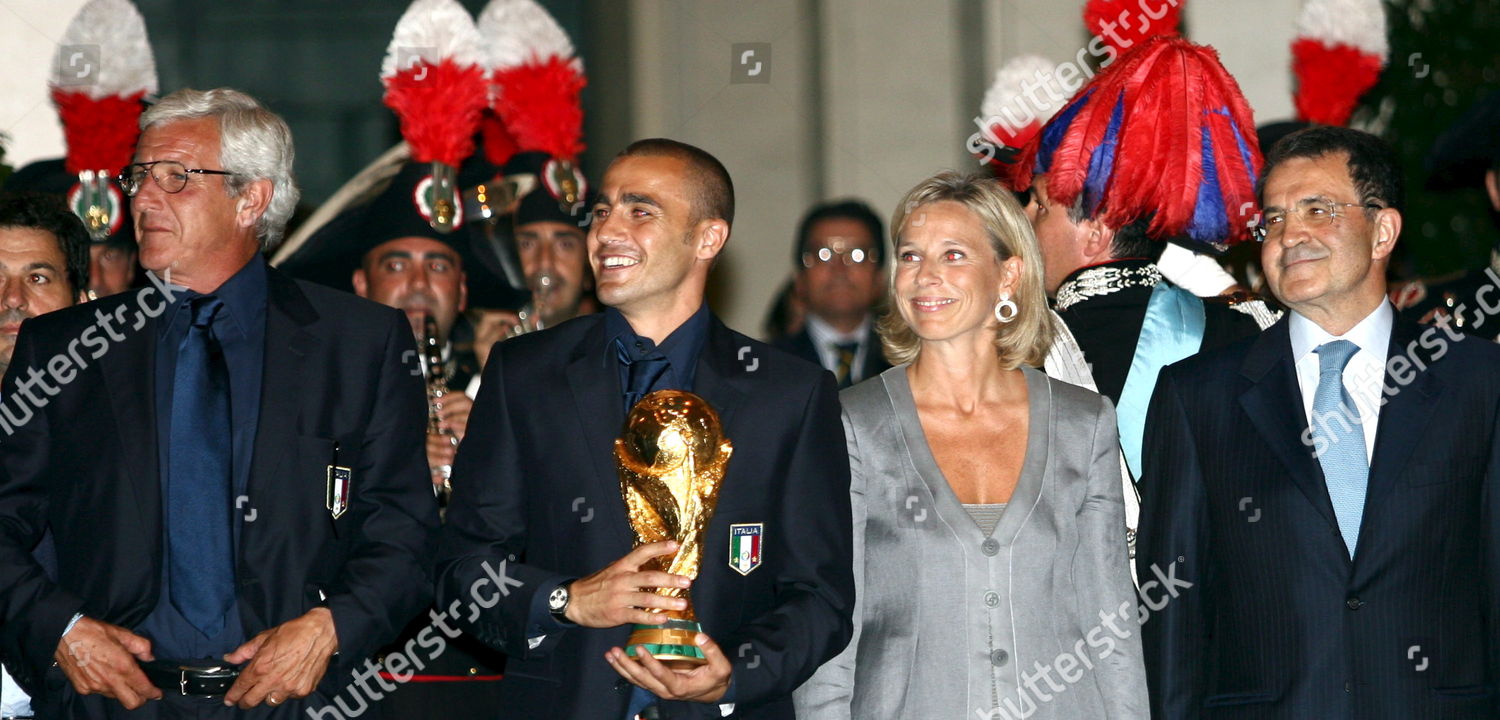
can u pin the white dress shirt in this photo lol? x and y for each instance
(13, 700)
(1364, 376)
(824, 337)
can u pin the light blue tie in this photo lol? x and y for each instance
(1336, 422)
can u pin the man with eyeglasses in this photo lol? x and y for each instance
(1327, 495)
(229, 461)
(838, 257)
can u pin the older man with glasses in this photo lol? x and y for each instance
(1325, 497)
(229, 461)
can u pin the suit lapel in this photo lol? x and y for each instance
(598, 398)
(1404, 416)
(288, 342)
(1273, 403)
(129, 369)
(720, 371)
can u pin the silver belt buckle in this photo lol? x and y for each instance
(182, 680)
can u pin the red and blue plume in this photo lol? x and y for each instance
(103, 70)
(1340, 49)
(1163, 133)
(1023, 96)
(1124, 24)
(537, 80)
(435, 82)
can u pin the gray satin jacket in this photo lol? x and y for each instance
(1036, 621)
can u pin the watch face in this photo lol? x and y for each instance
(558, 598)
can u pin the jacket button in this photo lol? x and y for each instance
(990, 546)
(1354, 604)
(991, 599)
(999, 658)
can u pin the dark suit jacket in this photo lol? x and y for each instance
(537, 498)
(801, 345)
(1279, 622)
(341, 386)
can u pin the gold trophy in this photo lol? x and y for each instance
(671, 461)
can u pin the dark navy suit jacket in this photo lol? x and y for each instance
(340, 387)
(1278, 621)
(537, 500)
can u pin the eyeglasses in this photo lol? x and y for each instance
(1313, 213)
(169, 175)
(851, 256)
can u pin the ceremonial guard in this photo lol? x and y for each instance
(98, 108)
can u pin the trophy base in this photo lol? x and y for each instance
(670, 642)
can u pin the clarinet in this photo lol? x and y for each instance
(437, 387)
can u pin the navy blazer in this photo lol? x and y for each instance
(1278, 621)
(340, 387)
(537, 500)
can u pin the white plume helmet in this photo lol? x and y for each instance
(1008, 104)
(112, 34)
(432, 31)
(1359, 24)
(519, 31)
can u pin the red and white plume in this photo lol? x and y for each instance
(1124, 24)
(537, 79)
(434, 80)
(103, 69)
(1023, 97)
(1340, 49)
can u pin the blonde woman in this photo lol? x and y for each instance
(991, 567)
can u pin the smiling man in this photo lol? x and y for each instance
(1331, 488)
(537, 498)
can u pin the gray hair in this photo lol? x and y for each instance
(254, 144)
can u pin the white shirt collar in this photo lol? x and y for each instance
(824, 335)
(1372, 334)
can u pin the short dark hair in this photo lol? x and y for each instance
(1372, 164)
(713, 191)
(856, 210)
(1132, 240)
(39, 211)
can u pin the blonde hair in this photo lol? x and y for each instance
(1023, 341)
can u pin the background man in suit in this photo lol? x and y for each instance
(537, 511)
(44, 266)
(229, 461)
(839, 253)
(1325, 498)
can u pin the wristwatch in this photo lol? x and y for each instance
(557, 602)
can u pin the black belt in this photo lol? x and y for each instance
(204, 680)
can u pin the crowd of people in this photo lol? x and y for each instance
(997, 460)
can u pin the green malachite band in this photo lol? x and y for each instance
(669, 651)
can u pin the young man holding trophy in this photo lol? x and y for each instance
(617, 463)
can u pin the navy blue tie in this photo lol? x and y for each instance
(644, 374)
(200, 562)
